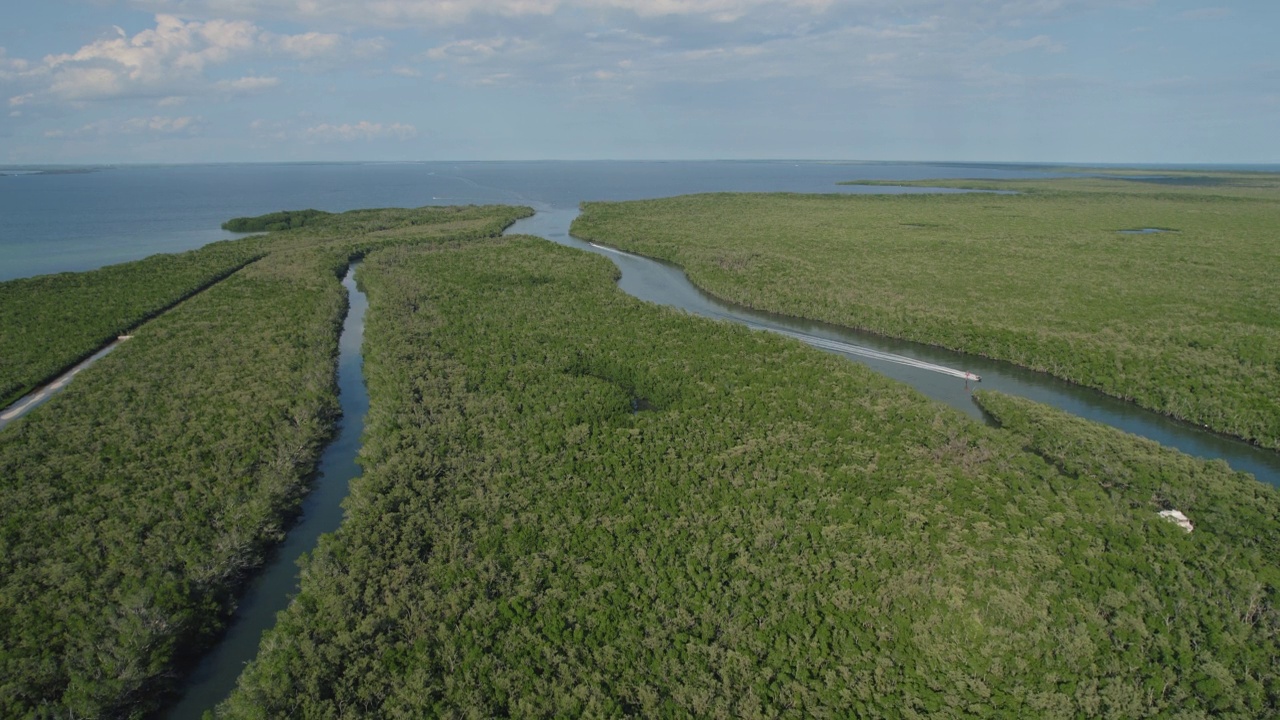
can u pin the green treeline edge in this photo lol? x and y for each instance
(574, 503)
(284, 220)
(1182, 322)
(134, 504)
(1142, 474)
(49, 323)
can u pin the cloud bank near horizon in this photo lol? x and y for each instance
(922, 79)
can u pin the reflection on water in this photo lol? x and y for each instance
(273, 589)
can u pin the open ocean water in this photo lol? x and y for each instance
(80, 220)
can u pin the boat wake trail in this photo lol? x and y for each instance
(866, 352)
(827, 343)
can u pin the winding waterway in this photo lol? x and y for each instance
(666, 284)
(554, 190)
(270, 592)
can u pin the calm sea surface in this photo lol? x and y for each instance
(79, 221)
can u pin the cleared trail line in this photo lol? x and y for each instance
(32, 400)
(57, 383)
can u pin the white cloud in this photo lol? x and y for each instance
(514, 42)
(270, 130)
(307, 45)
(1000, 46)
(157, 125)
(86, 83)
(475, 51)
(432, 14)
(245, 85)
(836, 44)
(363, 130)
(717, 10)
(162, 125)
(174, 49)
(11, 68)
(171, 61)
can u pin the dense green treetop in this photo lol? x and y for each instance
(575, 503)
(49, 323)
(134, 504)
(1143, 475)
(284, 220)
(138, 498)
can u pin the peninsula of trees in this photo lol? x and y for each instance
(575, 503)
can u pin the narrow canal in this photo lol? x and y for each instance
(657, 282)
(666, 284)
(270, 592)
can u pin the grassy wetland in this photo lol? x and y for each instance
(1182, 321)
(575, 503)
(135, 503)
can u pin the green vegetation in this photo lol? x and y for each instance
(134, 504)
(1144, 476)
(50, 322)
(1182, 322)
(286, 220)
(575, 504)
(135, 501)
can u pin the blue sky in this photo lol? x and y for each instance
(1117, 81)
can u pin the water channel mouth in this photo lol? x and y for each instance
(274, 587)
(666, 284)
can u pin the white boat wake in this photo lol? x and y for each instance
(866, 352)
(836, 345)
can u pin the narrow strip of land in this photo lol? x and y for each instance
(32, 400)
(50, 323)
